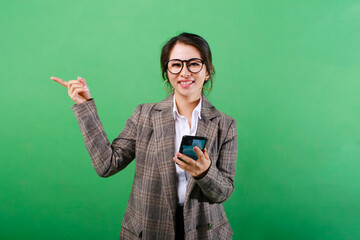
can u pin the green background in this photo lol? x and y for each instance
(287, 71)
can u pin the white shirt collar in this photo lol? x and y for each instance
(196, 111)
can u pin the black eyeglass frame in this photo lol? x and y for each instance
(182, 64)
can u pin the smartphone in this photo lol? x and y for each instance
(188, 143)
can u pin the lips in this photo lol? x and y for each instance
(186, 83)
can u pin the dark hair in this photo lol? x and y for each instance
(193, 40)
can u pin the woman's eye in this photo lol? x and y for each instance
(176, 65)
(194, 64)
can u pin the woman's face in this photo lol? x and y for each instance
(185, 83)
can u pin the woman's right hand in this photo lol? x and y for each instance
(77, 89)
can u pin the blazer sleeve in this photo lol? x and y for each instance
(107, 159)
(218, 183)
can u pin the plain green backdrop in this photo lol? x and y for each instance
(287, 71)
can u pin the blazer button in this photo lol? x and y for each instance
(210, 226)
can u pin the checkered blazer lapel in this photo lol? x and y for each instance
(207, 127)
(164, 125)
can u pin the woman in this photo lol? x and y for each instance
(170, 199)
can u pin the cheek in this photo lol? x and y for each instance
(201, 76)
(171, 77)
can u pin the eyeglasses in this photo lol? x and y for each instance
(194, 65)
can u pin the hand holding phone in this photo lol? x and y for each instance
(189, 142)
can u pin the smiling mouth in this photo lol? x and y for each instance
(186, 83)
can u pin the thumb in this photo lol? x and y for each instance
(206, 153)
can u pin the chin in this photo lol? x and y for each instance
(188, 94)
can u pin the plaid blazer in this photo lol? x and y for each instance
(148, 136)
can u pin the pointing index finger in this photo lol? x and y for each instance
(58, 80)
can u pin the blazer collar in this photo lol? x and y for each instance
(208, 111)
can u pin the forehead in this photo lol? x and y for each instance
(184, 51)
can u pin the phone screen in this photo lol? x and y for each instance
(189, 142)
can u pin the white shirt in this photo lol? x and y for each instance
(182, 128)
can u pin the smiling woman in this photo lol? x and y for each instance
(198, 45)
(170, 199)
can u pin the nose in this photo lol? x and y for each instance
(185, 73)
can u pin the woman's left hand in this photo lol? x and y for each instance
(197, 169)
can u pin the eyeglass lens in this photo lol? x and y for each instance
(194, 65)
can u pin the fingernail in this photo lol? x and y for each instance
(177, 154)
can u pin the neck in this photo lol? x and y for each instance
(186, 105)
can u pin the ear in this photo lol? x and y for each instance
(207, 76)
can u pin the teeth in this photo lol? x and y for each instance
(186, 82)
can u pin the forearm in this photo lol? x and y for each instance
(106, 159)
(215, 186)
(218, 183)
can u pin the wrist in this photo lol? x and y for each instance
(203, 174)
